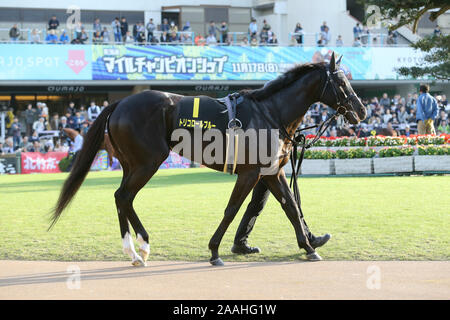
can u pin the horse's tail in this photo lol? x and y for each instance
(91, 144)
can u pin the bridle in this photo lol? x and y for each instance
(341, 102)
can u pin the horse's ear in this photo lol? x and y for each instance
(332, 62)
(338, 62)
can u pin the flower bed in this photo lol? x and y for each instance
(380, 141)
(354, 161)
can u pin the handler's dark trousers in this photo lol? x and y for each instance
(259, 198)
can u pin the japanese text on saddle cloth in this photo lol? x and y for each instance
(221, 114)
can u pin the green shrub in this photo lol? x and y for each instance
(64, 163)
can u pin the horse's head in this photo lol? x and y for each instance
(338, 93)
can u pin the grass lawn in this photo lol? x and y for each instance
(373, 218)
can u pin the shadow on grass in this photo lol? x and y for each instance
(155, 182)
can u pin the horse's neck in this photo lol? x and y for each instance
(294, 101)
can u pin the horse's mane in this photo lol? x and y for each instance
(282, 81)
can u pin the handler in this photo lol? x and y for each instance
(259, 198)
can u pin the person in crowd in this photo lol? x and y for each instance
(116, 27)
(254, 42)
(97, 26)
(223, 30)
(426, 111)
(64, 38)
(37, 147)
(402, 115)
(272, 38)
(253, 28)
(63, 123)
(83, 36)
(93, 112)
(164, 38)
(135, 31)
(39, 125)
(25, 145)
(212, 31)
(35, 36)
(264, 36)
(128, 38)
(124, 29)
(54, 122)
(15, 132)
(165, 25)
(298, 33)
(53, 23)
(97, 38)
(357, 31)
(30, 116)
(385, 101)
(83, 112)
(71, 108)
(365, 34)
(326, 35)
(443, 127)
(357, 42)
(244, 42)
(323, 26)
(211, 39)
(173, 28)
(34, 137)
(8, 147)
(105, 35)
(77, 121)
(339, 42)
(140, 36)
(14, 33)
(151, 27)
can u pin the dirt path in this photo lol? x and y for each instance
(198, 280)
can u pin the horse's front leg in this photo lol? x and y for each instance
(279, 187)
(246, 181)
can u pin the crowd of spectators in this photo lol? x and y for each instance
(29, 131)
(397, 114)
(35, 130)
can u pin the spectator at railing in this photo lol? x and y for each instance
(223, 32)
(212, 29)
(15, 132)
(211, 39)
(173, 37)
(116, 27)
(264, 35)
(339, 42)
(326, 35)
(97, 38)
(164, 38)
(14, 33)
(299, 33)
(83, 36)
(63, 123)
(151, 27)
(244, 42)
(254, 42)
(357, 42)
(53, 23)
(35, 36)
(54, 122)
(323, 26)
(97, 26)
(385, 101)
(105, 35)
(141, 36)
(64, 38)
(135, 31)
(272, 38)
(253, 28)
(365, 34)
(124, 29)
(8, 147)
(357, 31)
(392, 37)
(165, 25)
(173, 28)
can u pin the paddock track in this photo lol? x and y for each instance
(237, 280)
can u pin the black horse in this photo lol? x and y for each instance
(140, 130)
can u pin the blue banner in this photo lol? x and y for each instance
(173, 62)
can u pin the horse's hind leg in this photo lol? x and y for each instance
(136, 178)
(244, 184)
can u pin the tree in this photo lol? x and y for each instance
(409, 12)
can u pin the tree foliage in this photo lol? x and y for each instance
(399, 13)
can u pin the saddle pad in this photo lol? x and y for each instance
(207, 113)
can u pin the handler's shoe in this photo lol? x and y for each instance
(244, 249)
(320, 241)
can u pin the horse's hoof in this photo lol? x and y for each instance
(244, 249)
(138, 262)
(217, 262)
(313, 257)
(144, 254)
